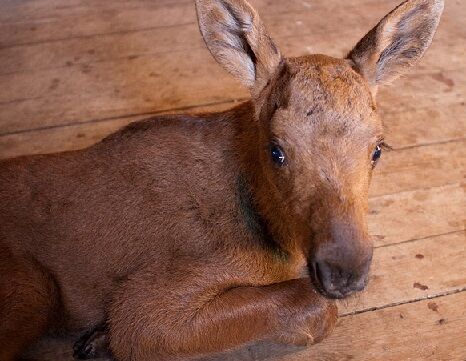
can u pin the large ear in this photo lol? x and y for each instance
(237, 39)
(398, 41)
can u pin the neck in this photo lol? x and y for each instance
(255, 223)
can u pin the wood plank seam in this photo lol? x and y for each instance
(420, 238)
(130, 31)
(143, 114)
(428, 144)
(19, 100)
(171, 111)
(446, 185)
(89, 36)
(157, 53)
(395, 304)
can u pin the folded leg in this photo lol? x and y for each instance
(149, 323)
(28, 303)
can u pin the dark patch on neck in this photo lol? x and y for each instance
(254, 221)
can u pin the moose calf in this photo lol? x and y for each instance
(194, 234)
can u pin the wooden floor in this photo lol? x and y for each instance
(72, 71)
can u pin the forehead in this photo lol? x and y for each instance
(331, 81)
(331, 97)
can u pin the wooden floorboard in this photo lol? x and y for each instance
(441, 255)
(74, 71)
(416, 214)
(96, 78)
(90, 18)
(38, 22)
(427, 330)
(296, 33)
(127, 88)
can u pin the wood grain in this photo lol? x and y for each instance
(399, 272)
(417, 214)
(413, 331)
(135, 88)
(296, 33)
(87, 18)
(419, 167)
(102, 77)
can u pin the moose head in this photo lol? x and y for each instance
(314, 135)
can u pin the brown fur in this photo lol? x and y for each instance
(180, 233)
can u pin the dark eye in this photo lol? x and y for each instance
(376, 155)
(277, 155)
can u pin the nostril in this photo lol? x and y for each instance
(350, 278)
(335, 281)
(324, 274)
(341, 277)
(318, 272)
(331, 275)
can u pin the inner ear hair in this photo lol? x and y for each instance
(398, 41)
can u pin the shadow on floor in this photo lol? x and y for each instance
(61, 349)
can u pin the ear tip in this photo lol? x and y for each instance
(203, 6)
(438, 5)
(432, 5)
(439, 2)
(430, 2)
(430, 9)
(437, 10)
(202, 2)
(198, 3)
(435, 6)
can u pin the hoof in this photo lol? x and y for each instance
(92, 344)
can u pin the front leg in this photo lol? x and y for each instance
(92, 344)
(153, 324)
